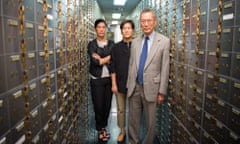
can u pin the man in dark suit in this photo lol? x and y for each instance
(147, 77)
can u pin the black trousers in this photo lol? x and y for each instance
(101, 90)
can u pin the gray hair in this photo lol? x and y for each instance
(148, 10)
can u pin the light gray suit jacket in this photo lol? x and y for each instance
(156, 70)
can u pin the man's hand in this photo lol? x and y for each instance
(114, 89)
(160, 98)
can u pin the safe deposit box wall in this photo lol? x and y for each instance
(44, 70)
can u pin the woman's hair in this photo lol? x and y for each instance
(99, 21)
(127, 21)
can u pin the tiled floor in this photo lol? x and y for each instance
(112, 127)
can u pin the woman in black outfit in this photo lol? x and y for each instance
(99, 51)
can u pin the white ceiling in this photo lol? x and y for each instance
(108, 8)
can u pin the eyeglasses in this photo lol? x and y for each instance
(146, 20)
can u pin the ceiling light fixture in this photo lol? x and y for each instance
(114, 22)
(116, 15)
(119, 2)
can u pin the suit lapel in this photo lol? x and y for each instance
(138, 50)
(153, 49)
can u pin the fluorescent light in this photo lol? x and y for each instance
(119, 2)
(114, 22)
(116, 15)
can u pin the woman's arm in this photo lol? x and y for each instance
(102, 61)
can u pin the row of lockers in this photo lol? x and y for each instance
(228, 61)
(208, 15)
(230, 10)
(33, 11)
(12, 103)
(192, 133)
(51, 74)
(229, 32)
(39, 129)
(214, 110)
(204, 105)
(36, 67)
(207, 99)
(34, 39)
(194, 84)
(185, 122)
(208, 40)
(12, 72)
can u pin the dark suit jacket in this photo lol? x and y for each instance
(156, 70)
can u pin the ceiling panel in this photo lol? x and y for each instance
(108, 8)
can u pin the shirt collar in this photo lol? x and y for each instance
(127, 44)
(150, 36)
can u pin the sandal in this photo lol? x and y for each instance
(121, 136)
(104, 135)
(100, 135)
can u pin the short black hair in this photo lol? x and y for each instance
(127, 21)
(99, 21)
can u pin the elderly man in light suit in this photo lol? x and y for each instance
(147, 84)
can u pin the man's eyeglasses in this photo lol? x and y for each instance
(146, 20)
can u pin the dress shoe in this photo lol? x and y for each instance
(121, 136)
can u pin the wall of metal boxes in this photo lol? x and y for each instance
(44, 79)
(43, 74)
(203, 104)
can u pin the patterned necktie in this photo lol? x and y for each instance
(143, 58)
